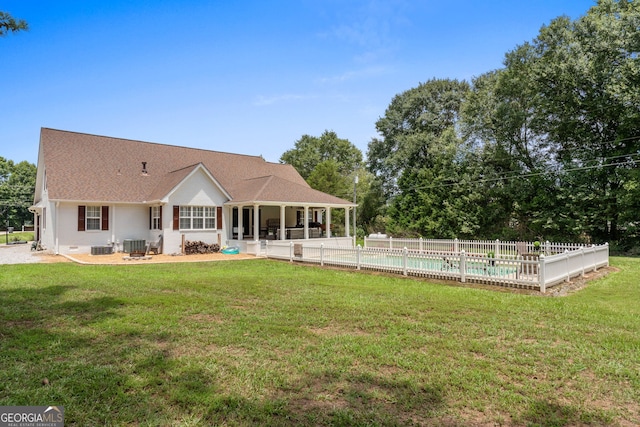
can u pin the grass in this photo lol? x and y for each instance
(26, 236)
(263, 342)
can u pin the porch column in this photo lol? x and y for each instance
(240, 221)
(256, 222)
(346, 222)
(283, 233)
(306, 222)
(328, 222)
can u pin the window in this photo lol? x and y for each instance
(197, 218)
(209, 218)
(156, 217)
(93, 217)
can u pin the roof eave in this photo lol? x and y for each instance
(294, 203)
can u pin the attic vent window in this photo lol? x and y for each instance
(144, 168)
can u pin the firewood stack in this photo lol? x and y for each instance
(199, 247)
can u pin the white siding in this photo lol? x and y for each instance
(131, 221)
(125, 222)
(196, 190)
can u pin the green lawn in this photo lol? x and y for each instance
(15, 236)
(262, 342)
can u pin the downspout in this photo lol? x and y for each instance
(57, 243)
(112, 223)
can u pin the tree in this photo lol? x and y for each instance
(9, 24)
(587, 74)
(517, 174)
(556, 129)
(417, 156)
(371, 203)
(310, 151)
(326, 177)
(546, 147)
(413, 122)
(17, 185)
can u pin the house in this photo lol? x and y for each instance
(102, 192)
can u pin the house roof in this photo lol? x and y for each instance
(92, 168)
(268, 189)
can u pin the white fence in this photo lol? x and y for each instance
(533, 272)
(499, 248)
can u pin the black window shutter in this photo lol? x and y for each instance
(176, 217)
(81, 217)
(105, 217)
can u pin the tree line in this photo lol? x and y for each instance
(546, 147)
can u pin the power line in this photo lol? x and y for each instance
(526, 175)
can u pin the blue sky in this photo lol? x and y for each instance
(248, 76)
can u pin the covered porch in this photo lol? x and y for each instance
(251, 224)
(273, 208)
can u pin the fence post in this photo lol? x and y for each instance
(365, 241)
(463, 266)
(582, 260)
(455, 245)
(607, 245)
(497, 251)
(420, 244)
(291, 251)
(390, 242)
(358, 254)
(405, 255)
(547, 246)
(566, 257)
(322, 254)
(541, 273)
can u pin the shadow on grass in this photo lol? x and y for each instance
(100, 375)
(43, 339)
(336, 399)
(544, 413)
(126, 376)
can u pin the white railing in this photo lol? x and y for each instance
(500, 249)
(518, 271)
(562, 267)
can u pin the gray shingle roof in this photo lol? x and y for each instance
(275, 189)
(84, 167)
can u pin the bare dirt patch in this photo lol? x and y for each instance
(578, 283)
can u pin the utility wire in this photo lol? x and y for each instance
(526, 175)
